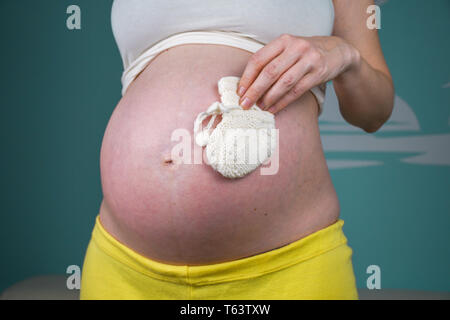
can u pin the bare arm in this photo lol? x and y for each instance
(287, 67)
(365, 91)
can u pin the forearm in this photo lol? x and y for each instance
(366, 95)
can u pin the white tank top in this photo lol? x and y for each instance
(144, 28)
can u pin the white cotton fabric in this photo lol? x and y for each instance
(144, 28)
(242, 141)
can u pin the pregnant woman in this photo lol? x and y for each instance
(173, 230)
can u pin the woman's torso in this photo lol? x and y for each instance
(186, 213)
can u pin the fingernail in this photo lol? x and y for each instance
(246, 103)
(241, 91)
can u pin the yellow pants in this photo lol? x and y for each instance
(318, 266)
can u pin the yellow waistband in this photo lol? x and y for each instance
(304, 249)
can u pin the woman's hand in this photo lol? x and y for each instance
(289, 66)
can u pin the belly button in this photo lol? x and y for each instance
(168, 162)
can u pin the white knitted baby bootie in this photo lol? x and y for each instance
(243, 140)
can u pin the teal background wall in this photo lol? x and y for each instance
(59, 87)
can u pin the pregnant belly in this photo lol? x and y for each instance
(186, 213)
